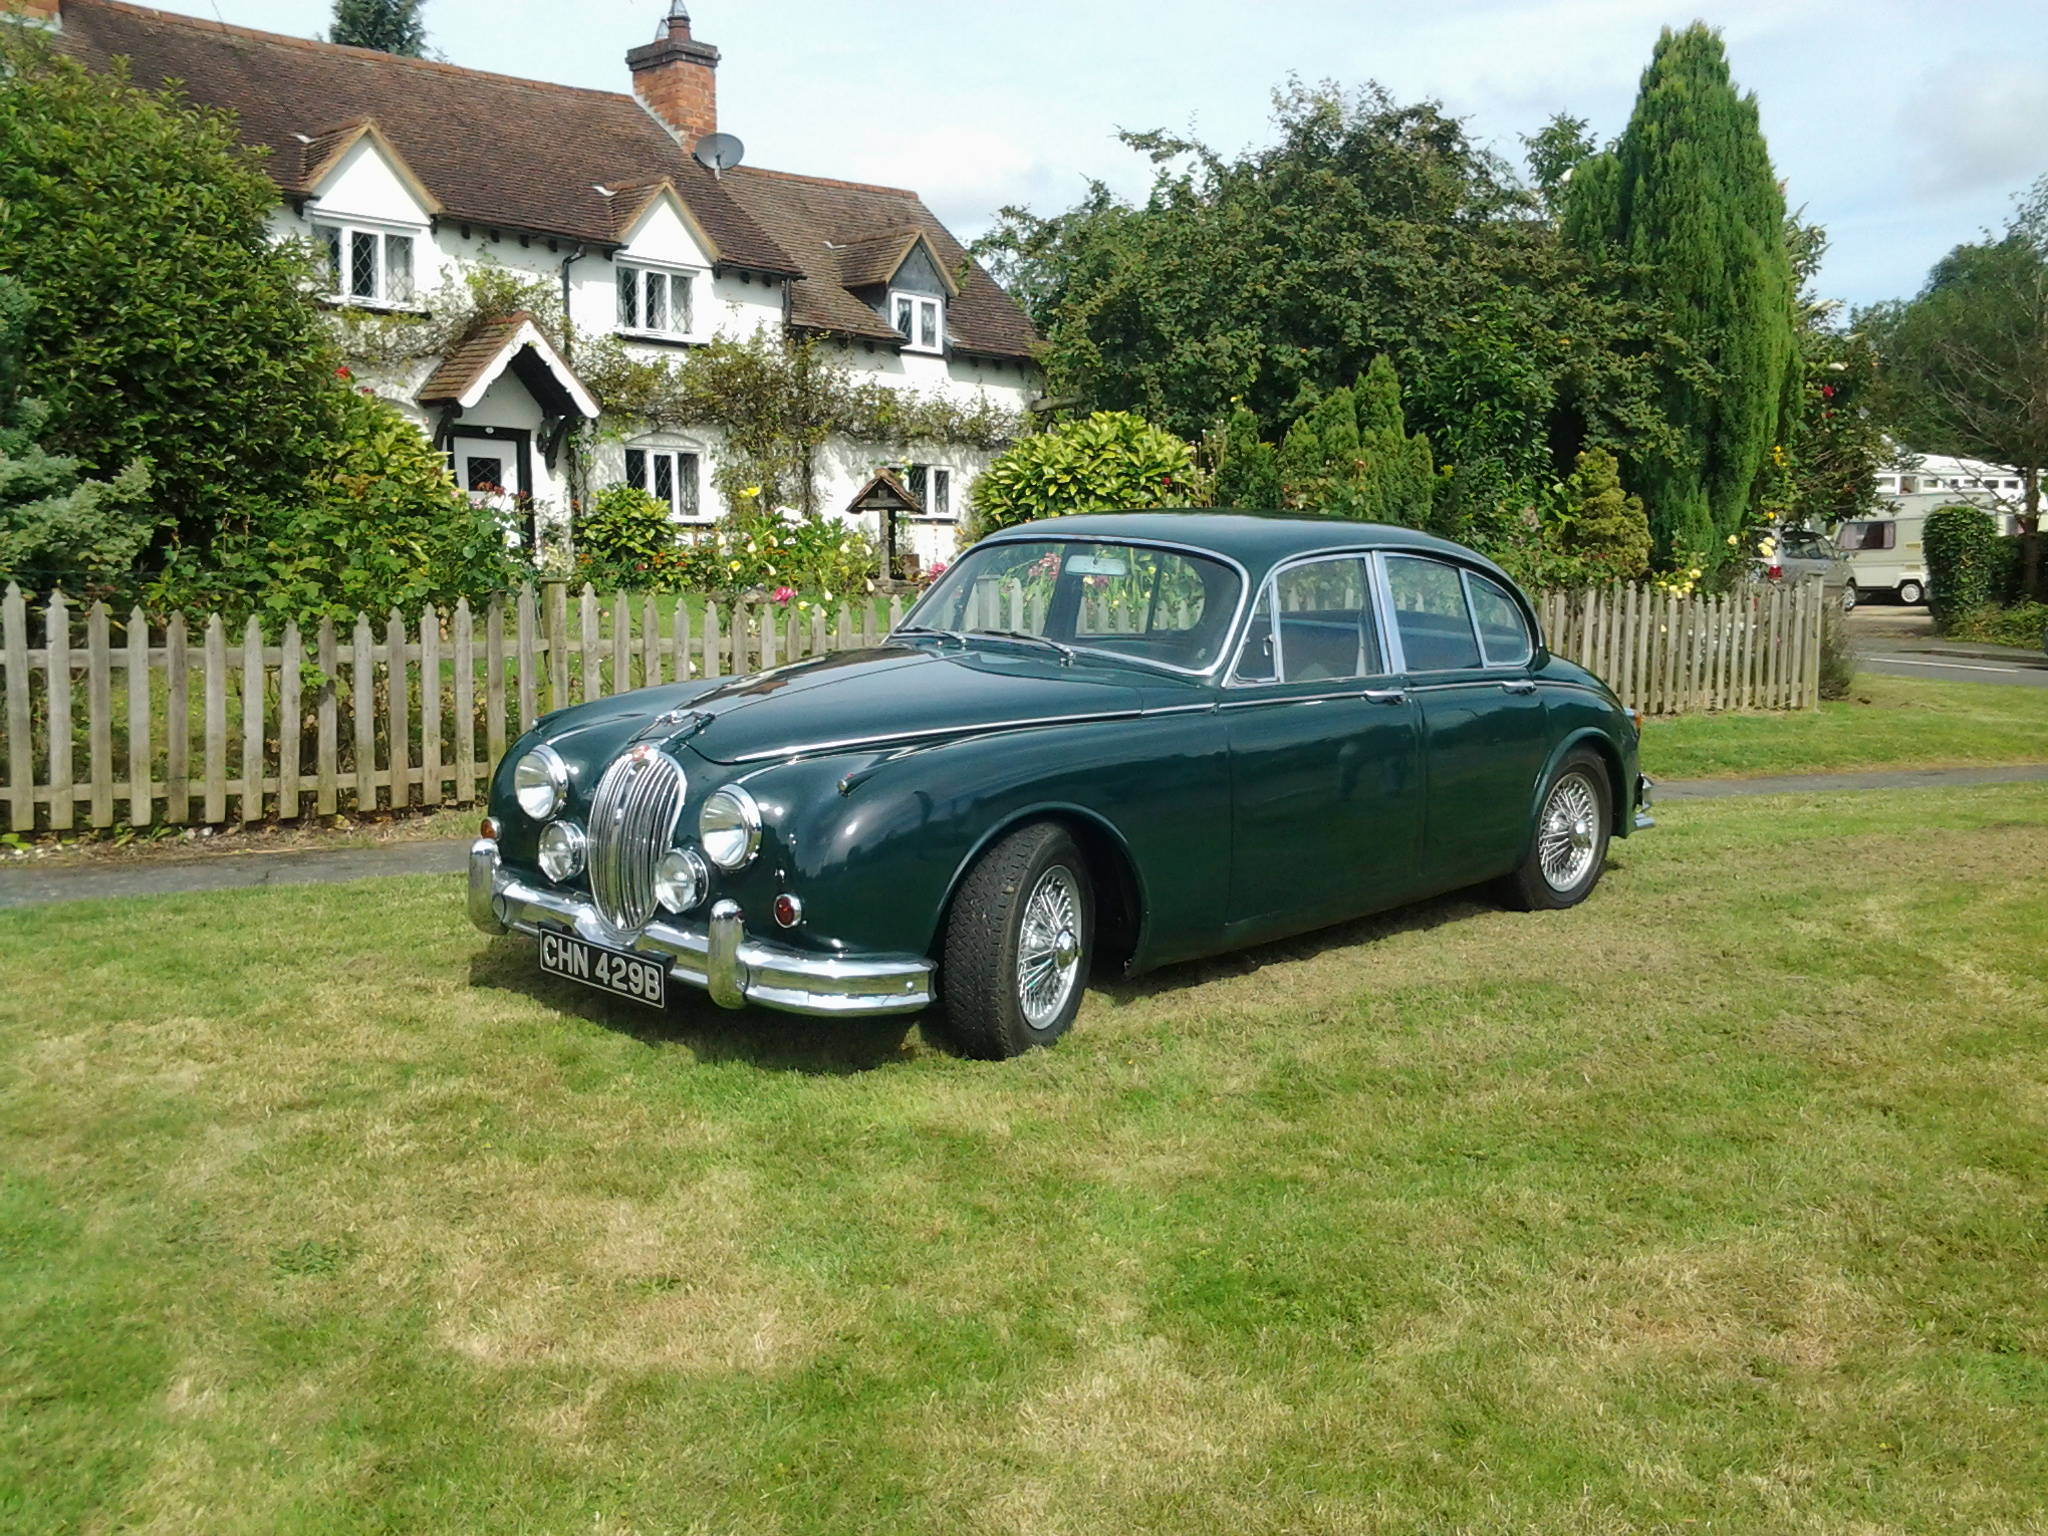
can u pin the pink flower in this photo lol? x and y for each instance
(938, 568)
(784, 594)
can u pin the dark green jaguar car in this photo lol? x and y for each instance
(1097, 745)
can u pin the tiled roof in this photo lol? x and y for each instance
(466, 364)
(494, 150)
(524, 155)
(829, 227)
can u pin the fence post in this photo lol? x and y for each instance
(650, 643)
(57, 673)
(558, 649)
(363, 706)
(768, 614)
(680, 627)
(465, 704)
(254, 702)
(21, 762)
(99, 713)
(526, 659)
(397, 712)
(327, 764)
(710, 639)
(589, 654)
(494, 683)
(845, 635)
(216, 743)
(141, 756)
(1820, 618)
(430, 706)
(622, 643)
(291, 721)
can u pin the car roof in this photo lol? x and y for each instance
(1258, 541)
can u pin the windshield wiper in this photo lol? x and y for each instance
(953, 635)
(1066, 651)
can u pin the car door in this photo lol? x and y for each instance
(1485, 735)
(1325, 756)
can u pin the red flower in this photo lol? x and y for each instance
(343, 373)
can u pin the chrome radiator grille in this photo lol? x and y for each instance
(632, 819)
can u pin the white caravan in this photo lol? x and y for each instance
(1884, 555)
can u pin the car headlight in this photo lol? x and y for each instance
(562, 851)
(541, 783)
(681, 881)
(729, 826)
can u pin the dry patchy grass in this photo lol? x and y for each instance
(1713, 1204)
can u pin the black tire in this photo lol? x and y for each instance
(1912, 594)
(981, 991)
(1850, 597)
(1534, 887)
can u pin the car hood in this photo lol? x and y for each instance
(898, 693)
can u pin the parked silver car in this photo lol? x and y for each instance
(1801, 555)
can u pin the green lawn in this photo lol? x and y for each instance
(1887, 722)
(1716, 1204)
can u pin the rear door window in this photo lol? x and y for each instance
(1324, 612)
(1432, 615)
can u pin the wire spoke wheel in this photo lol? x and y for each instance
(1569, 837)
(1049, 947)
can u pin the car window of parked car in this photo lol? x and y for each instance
(1326, 623)
(1132, 599)
(1854, 536)
(1503, 632)
(1432, 615)
(1258, 659)
(1802, 546)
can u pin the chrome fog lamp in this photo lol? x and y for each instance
(541, 783)
(681, 882)
(562, 851)
(729, 826)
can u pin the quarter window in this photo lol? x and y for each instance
(668, 475)
(1503, 632)
(1432, 614)
(658, 303)
(367, 266)
(921, 320)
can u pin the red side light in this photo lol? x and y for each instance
(788, 910)
(490, 830)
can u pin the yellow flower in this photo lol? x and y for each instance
(1731, 541)
(752, 490)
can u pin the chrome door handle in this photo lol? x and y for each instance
(1386, 696)
(1522, 685)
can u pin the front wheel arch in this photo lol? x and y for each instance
(1113, 876)
(1621, 803)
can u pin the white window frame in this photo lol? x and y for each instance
(642, 276)
(936, 495)
(339, 240)
(927, 317)
(685, 477)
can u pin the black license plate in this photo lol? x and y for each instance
(637, 978)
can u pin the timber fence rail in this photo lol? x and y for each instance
(187, 723)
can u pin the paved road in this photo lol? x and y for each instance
(30, 887)
(1900, 642)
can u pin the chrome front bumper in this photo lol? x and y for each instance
(717, 956)
(1645, 788)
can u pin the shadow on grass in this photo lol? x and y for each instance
(761, 1037)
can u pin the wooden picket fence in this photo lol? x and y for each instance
(182, 728)
(184, 724)
(1757, 647)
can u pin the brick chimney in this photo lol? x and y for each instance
(676, 77)
(41, 13)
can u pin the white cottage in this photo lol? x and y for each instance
(407, 172)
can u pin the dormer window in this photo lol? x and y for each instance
(921, 319)
(657, 303)
(367, 266)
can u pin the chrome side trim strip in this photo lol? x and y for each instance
(963, 732)
(772, 975)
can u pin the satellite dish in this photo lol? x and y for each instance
(719, 152)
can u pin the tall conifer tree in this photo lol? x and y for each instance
(1687, 195)
(389, 26)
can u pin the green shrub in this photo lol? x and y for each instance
(383, 527)
(2020, 624)
(807, 559)
(1351, 454)
(1111, 462)
(1247, 468)
(1837, 654)
(1963, 562)
(626, 531)
(1606, 529)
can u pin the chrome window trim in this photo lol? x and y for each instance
(1227, 651)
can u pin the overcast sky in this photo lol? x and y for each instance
(1905, 126)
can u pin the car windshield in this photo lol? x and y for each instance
(1156, 605)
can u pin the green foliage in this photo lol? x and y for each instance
(1837, 654)
(776, 402)
(1555, 152)
(1965, 561)
(55, 528)
(626, 531)
(1368, 228)
(383, 526)
(1350, 454)
(1111, 462)
(1835, 445)
(802, 561)
(1247, 467)
(168, 325)
(389, 26)
(1605, 528)
(1966, 361)
(1688, 201)
(2023, 624)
